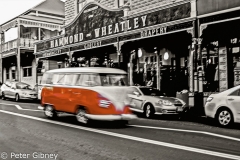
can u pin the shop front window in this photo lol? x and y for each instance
(210, 61)
(234, 77)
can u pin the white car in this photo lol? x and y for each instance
(224, 106)
(152, 101)
(18, 91)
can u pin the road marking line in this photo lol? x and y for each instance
(190, 131)
(175, 146)
(20, 108)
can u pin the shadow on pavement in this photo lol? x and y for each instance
(71, 119)
(190, 116)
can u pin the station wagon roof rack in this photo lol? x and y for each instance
(87, 70)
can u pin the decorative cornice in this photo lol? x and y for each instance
(90, 3)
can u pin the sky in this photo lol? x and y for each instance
(12, 8)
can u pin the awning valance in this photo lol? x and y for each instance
(29, 23)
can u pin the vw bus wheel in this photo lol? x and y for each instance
(148, 111)
(50, 112)
(81, 116)
(17, 98)
(224, 117)
(3, 96)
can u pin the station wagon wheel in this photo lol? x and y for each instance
(81, 116)
(3, 96)
(148, 110)
(17, 98)
(224, 117)
(50, 112)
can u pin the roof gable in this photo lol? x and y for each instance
(50, 6)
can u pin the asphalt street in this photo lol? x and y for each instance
(25, 131)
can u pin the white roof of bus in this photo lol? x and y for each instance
(88, 70)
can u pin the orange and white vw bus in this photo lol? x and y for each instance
(90, 93)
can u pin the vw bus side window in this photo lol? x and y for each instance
(58, 79)
(47, 78)
(88, 80)
(70, 79)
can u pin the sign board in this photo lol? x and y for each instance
(95, 22)
(223, 69)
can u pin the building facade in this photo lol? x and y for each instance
(18, 36)
(141, 37)
(219, 52)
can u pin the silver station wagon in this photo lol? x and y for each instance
(152, 101)
(18, 91)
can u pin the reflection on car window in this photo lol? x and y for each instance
(8, 83)
(70, 79)
(151, 92)
(88, 80)
(113, 80)
(235, 93)
(23, 86)
(134, 90)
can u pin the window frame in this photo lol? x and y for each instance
(27, 68)
(7, 74)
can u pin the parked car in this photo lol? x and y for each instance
(90, 93)
(152, 101)
(18, 91)
(224, 106)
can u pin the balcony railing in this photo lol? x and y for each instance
(27, 43)
(24, 43)
(9, 45)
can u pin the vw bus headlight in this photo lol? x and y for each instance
(103, 102)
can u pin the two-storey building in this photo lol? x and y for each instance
(17, 61)
(138, 36)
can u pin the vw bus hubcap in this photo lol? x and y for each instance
(49, 111)
(81, 116)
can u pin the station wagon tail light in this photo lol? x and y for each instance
(165, 102)
(103, 101)
(209, 99)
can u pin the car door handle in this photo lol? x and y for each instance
(230, 99)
